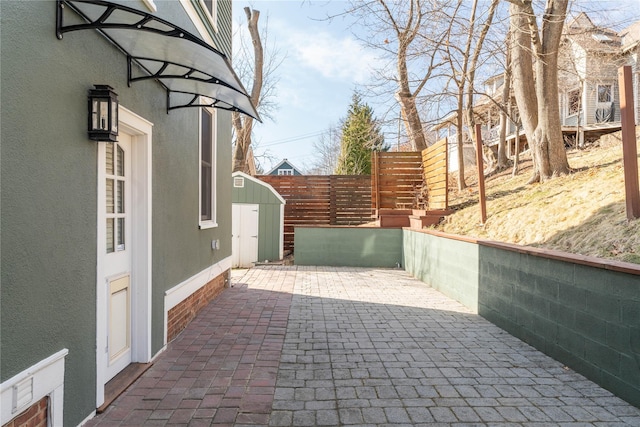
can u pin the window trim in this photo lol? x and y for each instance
(208, 223)
(238, 182)
(212, 15)
(289, 172)
(205, 27)
(150, 5)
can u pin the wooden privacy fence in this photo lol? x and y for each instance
(396, 179)
(322, 200)
(435, 169)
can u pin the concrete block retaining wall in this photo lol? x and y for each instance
(348, 246)
(582, 311)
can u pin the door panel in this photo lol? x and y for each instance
(244, 235)
(119, 321)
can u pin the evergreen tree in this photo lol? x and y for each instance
(361, 135)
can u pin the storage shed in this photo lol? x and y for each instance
(258, 221)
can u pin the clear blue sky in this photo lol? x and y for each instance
(324, 63)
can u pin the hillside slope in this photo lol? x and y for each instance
(582, 213)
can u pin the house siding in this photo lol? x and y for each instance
(49, 200)
(225, 22)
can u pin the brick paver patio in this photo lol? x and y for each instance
(307, 346)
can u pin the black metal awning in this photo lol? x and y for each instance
(194, 73)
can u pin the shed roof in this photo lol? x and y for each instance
(260, 183)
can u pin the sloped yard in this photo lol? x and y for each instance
(582, 213)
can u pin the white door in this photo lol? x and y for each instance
(117, 253)
(244, 239)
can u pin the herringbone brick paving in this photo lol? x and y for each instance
(307, 346)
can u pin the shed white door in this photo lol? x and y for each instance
(244, 246)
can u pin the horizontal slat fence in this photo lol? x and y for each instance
(350, 199)
(435, 166)
(396, 178)
(322, 200)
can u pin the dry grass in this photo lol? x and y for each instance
(582, 213)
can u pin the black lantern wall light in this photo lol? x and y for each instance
(103, 114)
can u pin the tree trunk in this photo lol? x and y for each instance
(243, 143)
(545, 139)
(472, 60)
(503, 161)
(407, 102)
(462, 184)
(243, 125)
(516, 158)
(522, 71)
(405, 96)
(412, 121)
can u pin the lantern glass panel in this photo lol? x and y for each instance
(94, 114)
(114, 116)
(103, 112)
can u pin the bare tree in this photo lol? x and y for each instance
(400, 31)
(257, 66)
(327, 151)
(464, 64)
(503, 161)
(537, 93)
(243, 125)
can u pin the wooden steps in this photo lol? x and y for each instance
(426, 218)
(394, 218)
(414, 218)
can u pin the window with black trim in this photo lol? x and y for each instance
(207, 168)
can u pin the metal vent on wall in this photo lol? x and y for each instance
(22, 394)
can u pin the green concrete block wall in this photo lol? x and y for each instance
(348, 246)
(450, 266)
(585, 316)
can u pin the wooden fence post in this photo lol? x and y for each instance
(629, 149)
(481, 196)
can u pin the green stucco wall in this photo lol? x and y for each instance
(48, 195)
(348, 246)
(269, 216)
(585, 316)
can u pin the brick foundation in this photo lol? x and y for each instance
(35, 416)
(182, 314)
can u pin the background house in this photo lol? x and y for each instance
(588, 63)
(109, 247)
(285, 167)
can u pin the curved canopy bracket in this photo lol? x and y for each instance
(163, 51)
